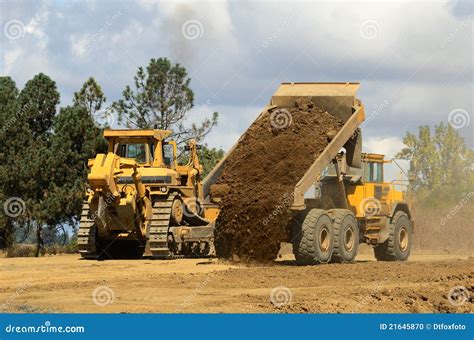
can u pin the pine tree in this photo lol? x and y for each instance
(90, 96)
(162, 98)
(10, 126)
(38, 102)
(44, 156)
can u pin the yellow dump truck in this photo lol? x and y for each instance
(353, 204)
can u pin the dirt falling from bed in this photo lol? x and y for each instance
(256, 185)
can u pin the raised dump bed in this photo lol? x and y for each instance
(336, 98)
(267, 172)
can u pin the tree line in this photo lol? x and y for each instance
(441, 167)
(44, 148)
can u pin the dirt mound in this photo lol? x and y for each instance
(260, 176)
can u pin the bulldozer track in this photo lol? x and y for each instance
(86, 235)
(157, 234)
(159, 225)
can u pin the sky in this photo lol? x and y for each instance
(414, 60)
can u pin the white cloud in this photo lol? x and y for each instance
(419, 57)
(233, 121)
(131, 31)
(36, 27)
(402, 35)
(11, 57)
(388, 146)
(79, 44)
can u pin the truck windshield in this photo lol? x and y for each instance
(137, 151)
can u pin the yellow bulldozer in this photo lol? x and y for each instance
(141, 201)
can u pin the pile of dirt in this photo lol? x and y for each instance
(260, 175)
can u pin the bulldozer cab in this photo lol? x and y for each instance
(141, 152)
(147, 147)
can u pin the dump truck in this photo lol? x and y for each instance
(352, 203)
(140, 201)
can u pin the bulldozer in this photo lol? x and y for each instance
(140, 201)
(352, 203)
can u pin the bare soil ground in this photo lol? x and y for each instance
(65, 283)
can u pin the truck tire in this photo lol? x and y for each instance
(398, 245)
(312, 237)
(346, 235)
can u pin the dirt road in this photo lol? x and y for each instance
(64, 283)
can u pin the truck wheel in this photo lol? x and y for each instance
(398, 245)
(313, 238)
(346, 235)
